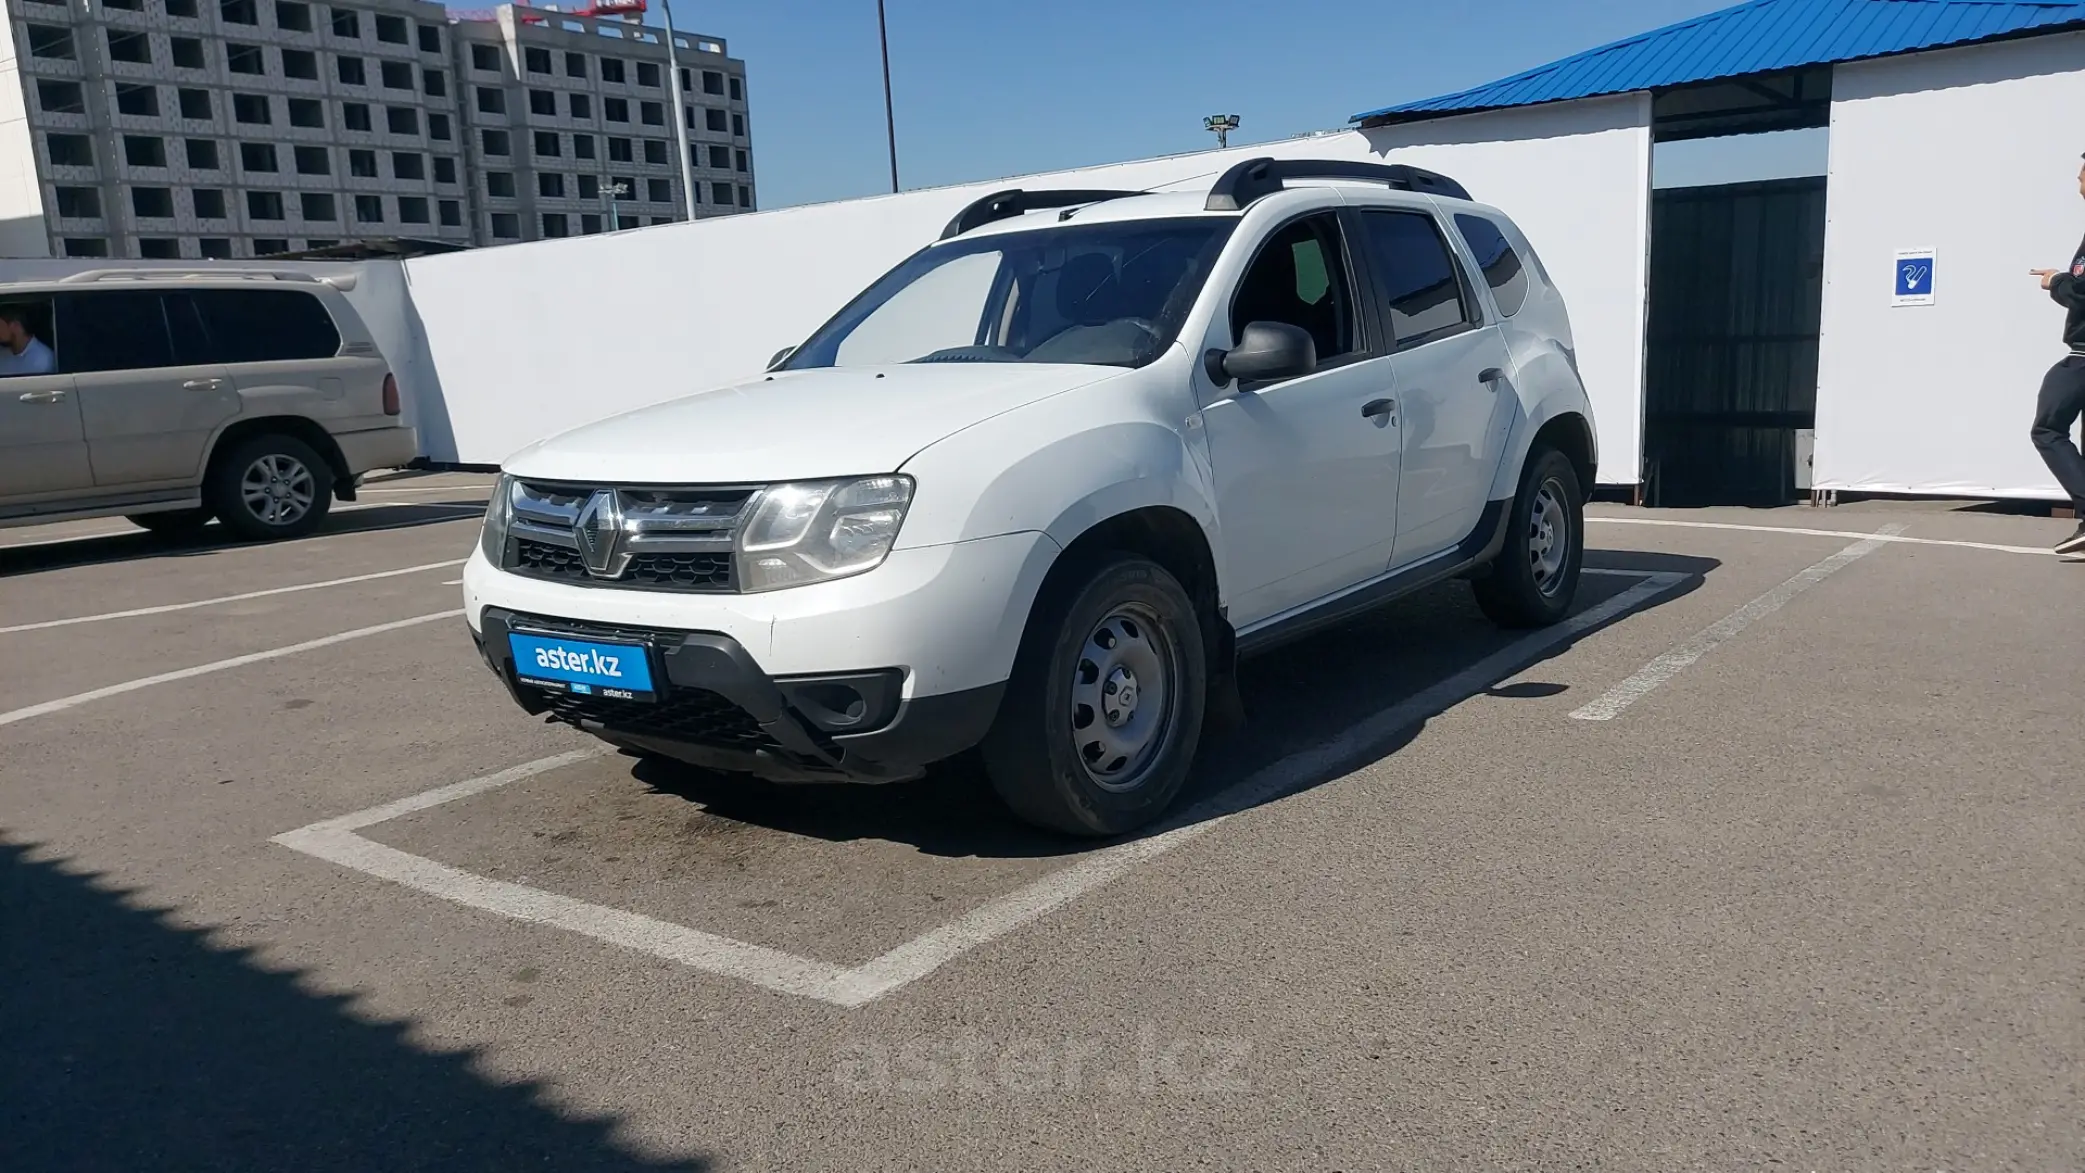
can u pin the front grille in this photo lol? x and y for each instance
(663, 539)
(684, 714)
(658, 572)
(543, 560)
(687, 572)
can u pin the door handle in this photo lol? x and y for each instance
(202, 384)
(1490, 377)
(1378, 407)
(43, 397)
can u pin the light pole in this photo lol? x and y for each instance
(611, 191)
(890, 118)
(1223, 125)
(680, 112)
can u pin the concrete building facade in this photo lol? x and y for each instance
(163, 129)
(565, 110)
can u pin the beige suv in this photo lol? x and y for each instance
(254, 397)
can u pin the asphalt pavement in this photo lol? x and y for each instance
(1769, 858)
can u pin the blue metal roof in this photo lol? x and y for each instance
(1762, 36)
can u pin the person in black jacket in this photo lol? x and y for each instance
(2063, 390)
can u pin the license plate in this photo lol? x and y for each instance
(584, 667)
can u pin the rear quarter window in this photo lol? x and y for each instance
(264, 325)
(1495, 256)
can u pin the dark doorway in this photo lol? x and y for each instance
(1736, 299)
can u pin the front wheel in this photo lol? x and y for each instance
(1536, 577)
(1104, 710)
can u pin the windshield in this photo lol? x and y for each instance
(1097, 294)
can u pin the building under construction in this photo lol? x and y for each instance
(190, 129)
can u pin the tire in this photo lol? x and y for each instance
(180, 524)
(1118, 623)
(269, 488)
(1535, 578)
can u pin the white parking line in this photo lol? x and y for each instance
(130, 531)
(1672, 663)
(78, 699)
(287, 590)
(1891, 534)
(336, 841)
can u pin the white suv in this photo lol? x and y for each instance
(1037, 489)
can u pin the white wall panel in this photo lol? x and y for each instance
(530, 340)
(1974, 152)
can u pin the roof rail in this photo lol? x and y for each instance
(1257, 179)
(1004, 205)
(342, 282)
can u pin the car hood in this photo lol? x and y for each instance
(796, 425)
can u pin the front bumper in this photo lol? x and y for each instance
(719, 710)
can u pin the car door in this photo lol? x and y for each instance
(1305, 469)
(149, 404)
(283, 352)
(43, 446)
(1452, 372)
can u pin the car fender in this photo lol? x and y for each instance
(1108, 451)
(1546, 386)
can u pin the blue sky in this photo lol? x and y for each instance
(986, 90)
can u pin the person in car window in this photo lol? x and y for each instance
(23, 353)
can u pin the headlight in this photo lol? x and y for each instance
(812, 531)
(499, 516)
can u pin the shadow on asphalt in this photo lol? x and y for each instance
(135, 1044)
(1305, 694)
(144, 546)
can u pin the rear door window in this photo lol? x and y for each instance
(114, 330)
(1420, 279)
(261, 325)
(1500, 264)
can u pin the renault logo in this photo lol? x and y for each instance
(599, 532)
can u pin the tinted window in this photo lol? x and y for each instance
(262, 325)
(1419, 279)
(1495, 256)
(114, 331)
(1300, 278)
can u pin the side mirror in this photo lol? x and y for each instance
(1265, 351)
(781, 356)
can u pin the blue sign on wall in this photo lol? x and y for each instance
(1914, 277)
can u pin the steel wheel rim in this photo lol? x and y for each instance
(278, 489)
(1549, 537)
(1124, 697)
